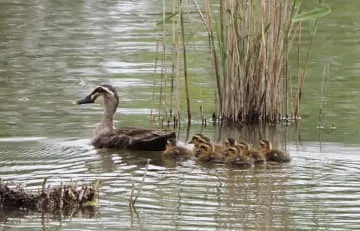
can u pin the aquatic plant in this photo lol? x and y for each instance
(250, 42)
(66, 196)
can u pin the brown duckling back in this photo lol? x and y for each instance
(271, 154)
(277, 156)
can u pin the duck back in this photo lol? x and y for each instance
(134, 139)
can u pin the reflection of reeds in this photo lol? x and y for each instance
(133, 197)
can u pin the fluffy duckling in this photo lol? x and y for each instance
(172, 151)
(271, 154)
(236, 158)
(255, 155)
(207, 153)
(198, 139)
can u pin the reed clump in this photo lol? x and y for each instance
(250, 43)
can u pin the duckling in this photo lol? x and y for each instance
(172, 151)
(271, 154)
(207, 153)
(255, 155)
(236, 158)
(106, 136)
(198, 139)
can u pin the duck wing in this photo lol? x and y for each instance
(146, 139)
(111, 140)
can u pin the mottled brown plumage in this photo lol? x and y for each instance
(106, 136)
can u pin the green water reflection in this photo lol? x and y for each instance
(53, 52)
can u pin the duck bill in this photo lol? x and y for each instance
(85, 100)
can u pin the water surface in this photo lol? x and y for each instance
(56, 51)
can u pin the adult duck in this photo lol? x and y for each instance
(135, 138)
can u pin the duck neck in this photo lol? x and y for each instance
(107, 123)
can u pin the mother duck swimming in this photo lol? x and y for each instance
(135, 138)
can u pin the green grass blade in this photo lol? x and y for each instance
(317, 12)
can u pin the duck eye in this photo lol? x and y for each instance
(94, 96)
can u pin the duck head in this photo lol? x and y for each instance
(107, 96)
(101, 94)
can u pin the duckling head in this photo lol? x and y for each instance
(230, 142)
(231, 151)
(203, 148)
(243, 146)
(265, 144)
(195, 139)
(199, 139)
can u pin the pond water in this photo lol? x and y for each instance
(56, 51)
